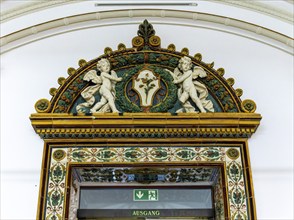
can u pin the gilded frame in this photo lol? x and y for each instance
(52, 144)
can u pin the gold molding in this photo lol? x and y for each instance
(107, 123)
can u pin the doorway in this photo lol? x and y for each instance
(168, 192)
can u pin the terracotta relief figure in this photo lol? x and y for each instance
(105, 85)
(185, 77)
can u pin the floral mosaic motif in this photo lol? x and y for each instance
(71, 92)
(82, 154)
(236, 193)
(185, 154)
(56, 191)
(57, 172)
(159, 154)
(133, 154)
(145, 153)
(235, 177)
(212, 154)
(126, 60)
(147, 84)
(235, 171)
(126, 105)
(106, 154)
(163, 59)
(217, 88)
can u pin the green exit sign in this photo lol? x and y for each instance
(145, 195)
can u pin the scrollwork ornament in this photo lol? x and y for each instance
(137, 41)
(42, 105)
(248, 106)
(233, 154)
(154, 41)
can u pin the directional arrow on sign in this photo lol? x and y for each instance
(139, 194)
(145, 195)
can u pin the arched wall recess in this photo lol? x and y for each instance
(145, 106)
(115, 17)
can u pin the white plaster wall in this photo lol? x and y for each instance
(263, 72)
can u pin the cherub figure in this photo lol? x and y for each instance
(105, 85)
(185, 77)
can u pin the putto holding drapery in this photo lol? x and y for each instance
(105, 85)
(189, 87)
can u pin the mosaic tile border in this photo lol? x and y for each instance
(62, 156)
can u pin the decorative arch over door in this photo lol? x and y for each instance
(134, 111)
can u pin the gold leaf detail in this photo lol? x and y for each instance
(42, 105)
(232, 153)
(221, 71)
(137, 41)
(154, 41)
(121, 47)
(71, 71)
(248, 106)
(171, 47)
(61, 80)
(82, 62)
(185, 51)
(59, 155)
(239, 92)
(107, 51)
(53, 91)
(231, 81)
(198, 56)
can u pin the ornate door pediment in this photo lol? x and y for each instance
(145, 104)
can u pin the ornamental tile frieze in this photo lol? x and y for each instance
(61, 156)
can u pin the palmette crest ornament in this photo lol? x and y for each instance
(146, 84)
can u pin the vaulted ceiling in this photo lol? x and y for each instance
(25, 21)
